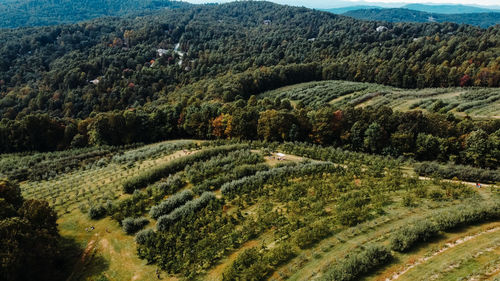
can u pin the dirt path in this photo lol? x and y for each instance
(85, 258)
(454, 181)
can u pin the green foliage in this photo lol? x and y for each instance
(171, 203)
(97, 212)
(37, 166)
(143, 236)
(409, 200)
(312, 234)
(174, 166)
(251, 183)
(353, 208)
(253, 264)
(249, 265)
(24, 13)
(143, 79)
(418, 231)
(132, 225)
(29, 239)
(357, 264)
(425, 229)
(461, 172)
(165, 221)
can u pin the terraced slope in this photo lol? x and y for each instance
(263, 211)
(476, 102)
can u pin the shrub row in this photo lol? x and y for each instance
(417, 231)
(144, 235)
(461, 172)
(236, 173)
(466, 215)
(151, 151)
(169, 204)
(171, 185)
(253, 264)
(249, 183)
(187, 209)
(200, 171)
(354, 266)
(174, 166)
(446, 219)
(45, 165)
(132, 225)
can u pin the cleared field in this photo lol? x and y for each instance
(476, 102)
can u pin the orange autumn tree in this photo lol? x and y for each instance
(222, 125)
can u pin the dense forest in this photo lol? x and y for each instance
(19, 13)
(107, 64)
(405, 15)
(195, 71)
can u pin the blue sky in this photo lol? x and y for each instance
(343, 3)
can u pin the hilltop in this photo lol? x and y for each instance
(484, 19)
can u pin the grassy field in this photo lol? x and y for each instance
(475, 102)
(306, 209)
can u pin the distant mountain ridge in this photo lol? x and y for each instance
(448, 9)
(350, 8)
(429, 8)
(406, 15)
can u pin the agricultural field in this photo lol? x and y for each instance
(475, 102)
(220, 210)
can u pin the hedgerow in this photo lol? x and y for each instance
(355, 265)
(236, 173)
(309, 235)
(38, 166)
(174, 166)
(461, 215)
(247, 184)
(253, 264)
(171, 203)
(97, 212)
(151, 151)
(461, 172)
(132, 225)
(189, 208)
(417, 231)
(200, 171)
(144, 235)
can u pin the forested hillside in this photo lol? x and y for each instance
(196, 69)
(405, 15)
(19, 13)
(50, 69)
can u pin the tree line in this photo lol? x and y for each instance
(423, 136)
